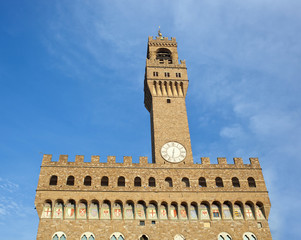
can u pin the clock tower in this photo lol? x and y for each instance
(165, 87)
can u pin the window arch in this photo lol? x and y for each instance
(105, 210)
(251, 182)
(219, 182)
(129, 210)
(216, 211)
(249, 236)
(87, 181)
(235, 182)
(53, 180)
(140, 210)
(137, 182)
(194, 211)
(224, 236)
(121, 182)
(58, 209)
(185, 182)
(59, 236)
(205, 211)
(87, 236)
(174, 211)
(94, 210)
(152, 211)
(70, 209)
(152, 182)
(163, 53)
(70, 181)
(163, 211)
(117, 210)
(104, 181)
(249, 210)
(82, 209)
(117, 236)
(143, 237)
(168, 182)
(259, 210)
(227, 210)
(47, 209)
(202, 182)
(238, 210)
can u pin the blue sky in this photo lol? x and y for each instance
(71, 82)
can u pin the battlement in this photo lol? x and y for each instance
(143, 162)
(151, 38)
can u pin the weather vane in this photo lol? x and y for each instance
(159, 33)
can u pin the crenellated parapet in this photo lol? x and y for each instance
(143, 162)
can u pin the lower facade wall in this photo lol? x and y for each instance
(161, 230)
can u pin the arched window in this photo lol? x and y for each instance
(152, 182)
(121, 182)
(117, 236)
(53, 180)
(168, 182)
(249, 236)
(185, 182)
(163, 54)
(224, 236)
(137, 182)
(87, 181)
(251, 182)
(143, 237)
(235, 182)
(202, 182)
(104, 181)
(87, 236)
(219, 182)
(70, 181)
(59, 236)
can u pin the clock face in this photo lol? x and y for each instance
(173, 152)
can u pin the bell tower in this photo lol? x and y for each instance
(165, 87)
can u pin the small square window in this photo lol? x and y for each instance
(168, 100)
(155, 74)
(142, 223)
(170, 61)
(259, 225)
(178, 75)
(153, 222)
(166, 74)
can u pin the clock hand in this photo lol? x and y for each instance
(173, 152)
